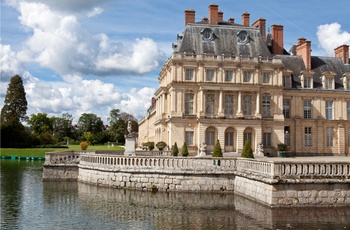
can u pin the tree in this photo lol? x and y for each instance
(217, 149)
(175, 150)
(247, 150)
(40, 123)
(15, 104)
(118, 124)
(89, 122)
(62, 126)
(184, 150)
(161, 145)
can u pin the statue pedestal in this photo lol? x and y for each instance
(130, 146)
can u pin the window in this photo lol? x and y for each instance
(329, 137)
(209, 104)
(286, 81)
(266, 105)
(307, 109)
(228, 75)
(247, 136)
(228, 105)
(210, 75)
(287, 135)
(247, 76)
(348, 84)
(329, 83)
(189, 74)
(229, 138)
(267, 139)
(308, 136)
(329, 110)
(189, 102)
(189, 137)
(286, 108)
(348, 109)
(307, 82)
(266, 78)
(210, 137)
(348, 137)
(247, 105)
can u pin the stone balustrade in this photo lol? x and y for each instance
(64, 157)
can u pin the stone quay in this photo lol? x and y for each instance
(275, 182)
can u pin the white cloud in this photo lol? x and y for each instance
(330, 36)
(9, 64)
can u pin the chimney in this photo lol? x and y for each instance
(153, 102)
(220, 16)
(213, 14)
(245, 19)
(189, 16)
(261, 24)
(303, 49)
(231, 20)
(342, 52)
(277, 39)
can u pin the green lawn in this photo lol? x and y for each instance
(40, 152)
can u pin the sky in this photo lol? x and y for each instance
(92, 56)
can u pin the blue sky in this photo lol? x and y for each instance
(92, 56)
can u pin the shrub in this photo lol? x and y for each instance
(161, 145)
(281, 147)
(184, 150)
(150, 145)
(84, 145)
(217, 150)
(247, 150)
(175, 150)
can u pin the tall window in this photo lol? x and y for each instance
(348, 137)
(287, 135)
(329, 137)
(267, 139)
(210, 137)
(247, 76)
(266, 105)
(247, 135)
(247, 105)
(209, 104)
(286, 108)
(307, 109)
(189, 102)
(228, 75)
(286, 82)
(329, 83)
(266, 78)
(189, 137)
(329, 110)
(210, 75)
(189, 74)
(307, 82)
(308, 136)
(348, 109)
(228, 105)
(229, 138)
(348, 84)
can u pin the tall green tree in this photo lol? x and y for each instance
(40, 123)
(247, 150)
(118, 124)
(63, 126)
(15, 104)
(89, 122)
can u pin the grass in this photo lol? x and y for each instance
(40, 152)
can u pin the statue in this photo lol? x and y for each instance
(203, 149)
(259, 150)
(129, 128)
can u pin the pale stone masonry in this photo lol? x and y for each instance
(232, 82)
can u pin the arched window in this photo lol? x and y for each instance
(229, 140)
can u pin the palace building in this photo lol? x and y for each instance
(232, 82)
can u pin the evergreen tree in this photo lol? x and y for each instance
(247, 150)
(15, 104)
(175, 150)
(217, 150)
(184, 150)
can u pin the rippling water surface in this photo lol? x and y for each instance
(29, 203)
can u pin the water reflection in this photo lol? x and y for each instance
(29, 203)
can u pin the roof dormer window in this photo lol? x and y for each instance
(328, 80)
(243, 37)
(207, 34)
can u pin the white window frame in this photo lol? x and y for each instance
(229, 105)
(286, 81)
(329, 136)
(329, 83)
(266, 77)
(286, 107)
(307, 109)
(210, 74)
(308, 136)
(189, 74)
(247, 76)
(307, 82)
(329, 110)
(189, 138)
(266, 105)
(247, 105)
(209, 104)
(228, 75)
(189, 103)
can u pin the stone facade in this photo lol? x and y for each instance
(233, 82)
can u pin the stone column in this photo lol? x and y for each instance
(341, 139)
(257, 107)
(239, 109)
(221, 112)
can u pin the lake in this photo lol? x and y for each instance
(29, 203)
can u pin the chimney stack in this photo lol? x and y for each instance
(220, 16)
(303, 49)
(342, 52)
(277, 39)
(213, 14)
(189, 16)
(231, 20)
(261, 24)
(245, 19)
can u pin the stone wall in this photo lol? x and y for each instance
(60, 172)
